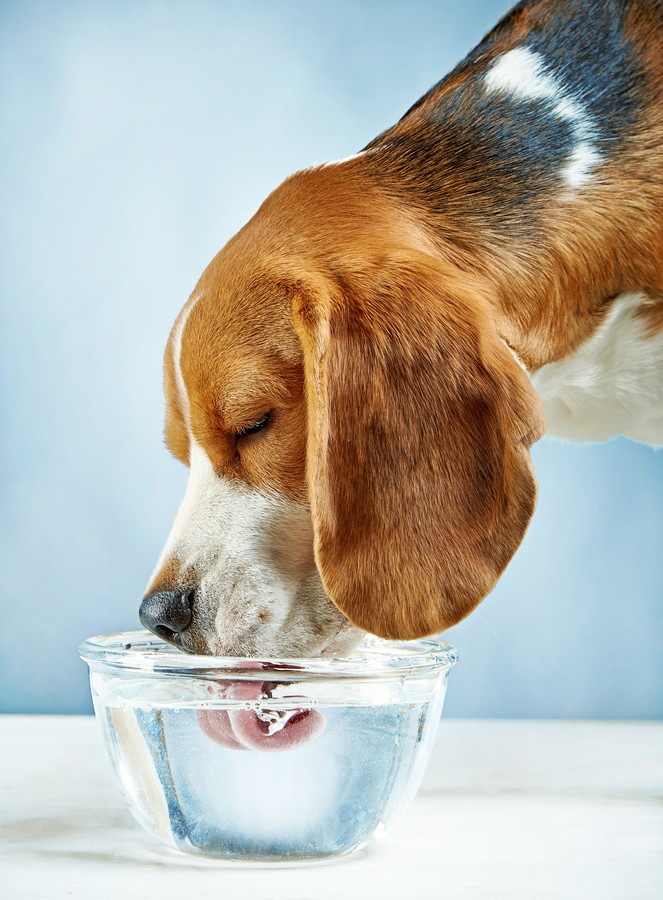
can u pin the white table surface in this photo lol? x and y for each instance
(507, 810)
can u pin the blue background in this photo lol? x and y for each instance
(135, 139)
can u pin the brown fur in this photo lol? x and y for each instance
(420, 422)
(369, 322)
(651, 312)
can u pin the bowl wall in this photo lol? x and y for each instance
(311, 764)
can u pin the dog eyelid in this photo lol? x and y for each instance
(254, 427)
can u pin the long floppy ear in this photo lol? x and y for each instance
(420, 423)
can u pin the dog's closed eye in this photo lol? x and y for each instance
(254, 427)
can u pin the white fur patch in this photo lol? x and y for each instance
(216, 516)
(257, 589)
(178, 334)
(522, 74)
(611, 385)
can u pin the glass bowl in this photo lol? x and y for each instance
(267, 761)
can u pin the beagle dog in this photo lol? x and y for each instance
(357, 379)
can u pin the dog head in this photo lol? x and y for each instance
(357, 437)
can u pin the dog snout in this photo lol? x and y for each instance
(167, 613)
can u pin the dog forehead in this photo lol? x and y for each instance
(230, 313)
(234, 343)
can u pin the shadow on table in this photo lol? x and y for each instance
(103, 836)
(108, 836)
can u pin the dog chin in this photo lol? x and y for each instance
(340, 643)
(344, 641)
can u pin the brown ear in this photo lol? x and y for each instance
(420, 423)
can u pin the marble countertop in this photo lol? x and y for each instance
(508, 809)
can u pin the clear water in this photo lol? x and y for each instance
(324, 798)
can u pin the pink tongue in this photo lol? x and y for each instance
(241, 729)
(216, 725)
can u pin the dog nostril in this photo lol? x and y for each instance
(167, 613)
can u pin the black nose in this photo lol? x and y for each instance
(167, 613)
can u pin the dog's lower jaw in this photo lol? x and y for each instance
(312, 627)
(328, 634)
(341, 644)
(344, 641)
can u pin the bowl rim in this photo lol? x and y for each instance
(142, 651)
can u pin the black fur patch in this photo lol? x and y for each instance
(489, 145)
